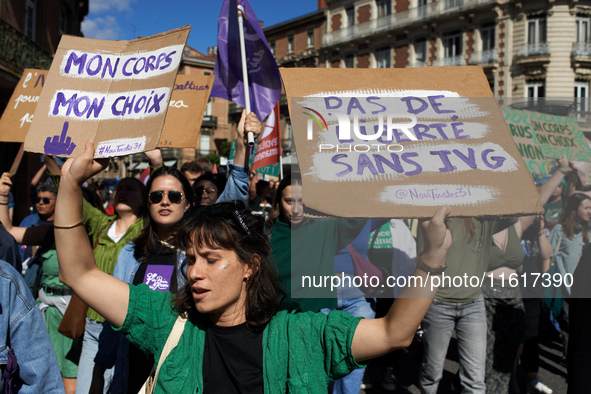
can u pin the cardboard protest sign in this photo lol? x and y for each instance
(541, 136)
(185, 111)
(399, 142)
(18, 115)
(115, 92)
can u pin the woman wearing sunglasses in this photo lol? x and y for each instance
(153, 258)
(234, 337)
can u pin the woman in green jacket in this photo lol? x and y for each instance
(108, 234)
(231, 303)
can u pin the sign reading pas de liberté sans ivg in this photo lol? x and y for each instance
(115, 92)
(393, 142)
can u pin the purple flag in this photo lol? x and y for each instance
(263, 75)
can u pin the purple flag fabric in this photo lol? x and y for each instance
(263, 75)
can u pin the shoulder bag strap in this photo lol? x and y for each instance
(171, 342)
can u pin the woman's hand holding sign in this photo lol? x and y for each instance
(375, 337)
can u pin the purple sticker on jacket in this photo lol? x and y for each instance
(158, 277)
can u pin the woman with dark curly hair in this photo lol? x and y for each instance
(234, 339)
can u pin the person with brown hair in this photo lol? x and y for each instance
(568, 239)
(191, 171)
(230, 303)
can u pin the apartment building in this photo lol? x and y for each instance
(30, 31)
(528, 49)
(296, 43)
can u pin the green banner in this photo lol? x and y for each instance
(543, 138)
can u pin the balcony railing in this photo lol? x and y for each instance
(209, 121)
(581, 50)
(401, 19)
(451, 61)
(534, 50)
(486, 57)
(18, 52)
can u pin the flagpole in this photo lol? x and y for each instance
(244, 69)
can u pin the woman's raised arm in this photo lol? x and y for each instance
(105, 294)
(376, 337)
(22, 235)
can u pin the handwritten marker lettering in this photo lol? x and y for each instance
(59, 145)
(23, 98)
(427, 195)
(121, 146)
(27, 118)
(140, 65)
(136, 104)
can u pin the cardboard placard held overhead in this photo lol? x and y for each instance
(400, 142)
(541, 136)
(18, 115)
(185, 111)
(115, 92)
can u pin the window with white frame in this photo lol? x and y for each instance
(350, 16)
(30, 18)
(383, 58)
(535, 89)
(487, 35)
(384, 8)
(421, 51)
(204, 143)
(422, 7)
(536, 30)
(581, 97)
(310, 38)
(208, 110)
(350, 61)
(290, 45)
(452, 44)
(272, 47)
(583, 29)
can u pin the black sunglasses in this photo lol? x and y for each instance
(46, 200)
(174, 196)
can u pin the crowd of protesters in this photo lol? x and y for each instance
(211, 257)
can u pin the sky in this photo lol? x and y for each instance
(129, 19)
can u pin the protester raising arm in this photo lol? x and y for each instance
(248, 123)
(236, 187)
(376, 337)
(22, 235)
(77, 266)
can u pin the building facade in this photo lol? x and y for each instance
(296, 43)
(30, 31)
(528, 49)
